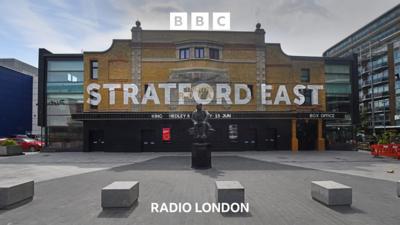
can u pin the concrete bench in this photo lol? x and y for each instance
(229, 192)
(120, 194)
(331, 193)
(15, 191)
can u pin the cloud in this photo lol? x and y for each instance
(32, 27)
(304, 7)
(60, 3)
(162, 7)
(304, 27)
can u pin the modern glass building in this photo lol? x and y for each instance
(61, 93)
(340, 98)
(376, 46)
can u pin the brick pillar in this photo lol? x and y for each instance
(392, 85)
(321, 139)
(294, 141)
(260, 66)
(136, 57)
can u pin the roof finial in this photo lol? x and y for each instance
(137, 23)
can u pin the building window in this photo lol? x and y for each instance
(199, 53)
(305, 75)
(94, 70)
(184, 53)
(214, 53)
(64, 93)
(91, 99)
(396, 55)
(307, 96)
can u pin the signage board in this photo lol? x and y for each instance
(166, 134)
(202, 93)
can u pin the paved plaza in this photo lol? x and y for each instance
(277, 187)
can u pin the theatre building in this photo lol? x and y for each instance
(138, 95)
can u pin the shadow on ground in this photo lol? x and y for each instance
(230, 214)
(16, 205)
(346, 209)
(117, 212)
(219, 163)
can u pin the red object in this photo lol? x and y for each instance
(389, 150)
(166, 134)
(29, 144)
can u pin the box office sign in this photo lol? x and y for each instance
(202, 93)
(322, 115)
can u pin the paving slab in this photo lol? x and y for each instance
(277, 194)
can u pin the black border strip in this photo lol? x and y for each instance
(214, 115)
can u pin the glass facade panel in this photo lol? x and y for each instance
(332, 69)
(335, 78)
(64, 97)
(338, 133)
(396, 57)
(378, 62)
(338, 137)
(381, 105)
(72, 88)
(338, 89)
(65, 76)
(379, 77)
(60, 65)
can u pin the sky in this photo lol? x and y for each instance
(303, 27)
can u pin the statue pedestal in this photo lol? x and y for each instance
(201, 156)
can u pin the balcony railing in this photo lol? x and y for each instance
(367, 83)
(376, 95)
(378, 109)
(364, 70)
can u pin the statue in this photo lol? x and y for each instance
(201, 152)
(201, 128)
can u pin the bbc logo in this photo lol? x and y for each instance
(199, 21)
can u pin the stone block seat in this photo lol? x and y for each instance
(120, 194)
(15, 191)
(229, 192)
(331, 193)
